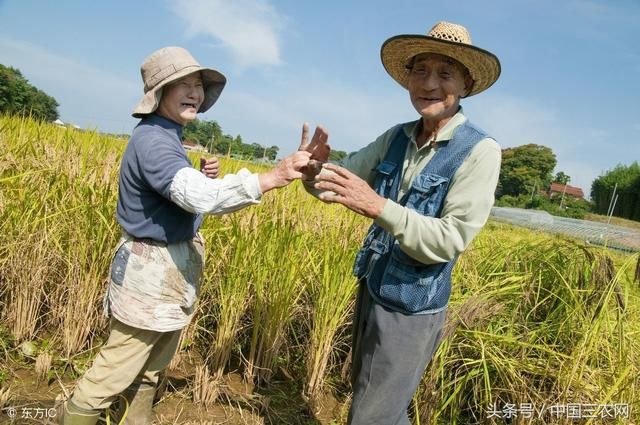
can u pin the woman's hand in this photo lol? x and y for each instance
(210, 167)
(286, 171)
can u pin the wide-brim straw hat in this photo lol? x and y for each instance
(446, 39)
(167, 65)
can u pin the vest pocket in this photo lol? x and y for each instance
(362, 257)
(372, 249)
(427, 193)
(409, 284)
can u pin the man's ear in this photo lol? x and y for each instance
(468, 84)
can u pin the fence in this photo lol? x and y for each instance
(616, 237)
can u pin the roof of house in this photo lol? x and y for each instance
(568, 190)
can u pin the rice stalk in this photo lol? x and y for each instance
(332, 292)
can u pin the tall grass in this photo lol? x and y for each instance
(225, 298)
(332, 293)
(277, 288)
(533, 318)
(538, 321)
(58, 189)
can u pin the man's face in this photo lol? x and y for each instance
(181, 99)
(436, 84)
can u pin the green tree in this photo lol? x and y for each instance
(335, 155)
(626, 182)
(272, 152)
(210, 135)
(256, 151)
(524, 168)
(205, 133)
(562, 178)
(17, 96)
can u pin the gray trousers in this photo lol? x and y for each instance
(390, 352)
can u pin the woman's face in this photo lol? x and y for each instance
(181, 99)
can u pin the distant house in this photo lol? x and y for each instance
(63, 124)
(558, 189)
(191, 146)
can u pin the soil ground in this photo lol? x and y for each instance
(280, 403)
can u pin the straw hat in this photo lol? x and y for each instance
(445, 39)
(170, 64)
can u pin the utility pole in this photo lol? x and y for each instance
(612, 203)
(563, 192)
(533, 191)
(211, 143)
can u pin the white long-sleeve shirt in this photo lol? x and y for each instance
(194, 192)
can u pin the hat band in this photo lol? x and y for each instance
(161, 75)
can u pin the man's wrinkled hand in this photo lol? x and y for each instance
(210, 167)
(343, 187)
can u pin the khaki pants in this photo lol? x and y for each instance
(131, 357)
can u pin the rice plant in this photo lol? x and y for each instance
(535, 320)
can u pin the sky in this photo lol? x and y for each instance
(570, 68)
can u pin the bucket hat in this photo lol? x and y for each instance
(167, 65)
(446, 39)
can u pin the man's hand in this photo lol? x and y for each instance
(350, 191)
(286, 171)
(318, 148)
(210, 167)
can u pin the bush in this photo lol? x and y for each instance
(573, 208)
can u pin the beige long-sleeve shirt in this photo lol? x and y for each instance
(466, 208)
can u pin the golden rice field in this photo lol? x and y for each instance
(539, 326)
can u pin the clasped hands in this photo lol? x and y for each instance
(338, 185)
(310, 163)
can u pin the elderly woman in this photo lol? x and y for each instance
(429, 186)
(156, 269)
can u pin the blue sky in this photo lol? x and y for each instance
(570, 68)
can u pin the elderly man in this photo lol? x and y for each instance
(156, 269)
(429, 187)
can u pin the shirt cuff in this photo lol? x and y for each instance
(391, 217)
(251, 183)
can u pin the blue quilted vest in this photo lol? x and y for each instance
(395, 279)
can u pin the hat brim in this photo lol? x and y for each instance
(212, 80)
(397, 51)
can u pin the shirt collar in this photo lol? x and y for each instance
(169, 125)
(445, 133)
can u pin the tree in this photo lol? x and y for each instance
(17, 96)
(525, 168)
(561, 178)
(209, 134)
(272, 152)
(626, 182)
(335, 155)
(205, 133)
